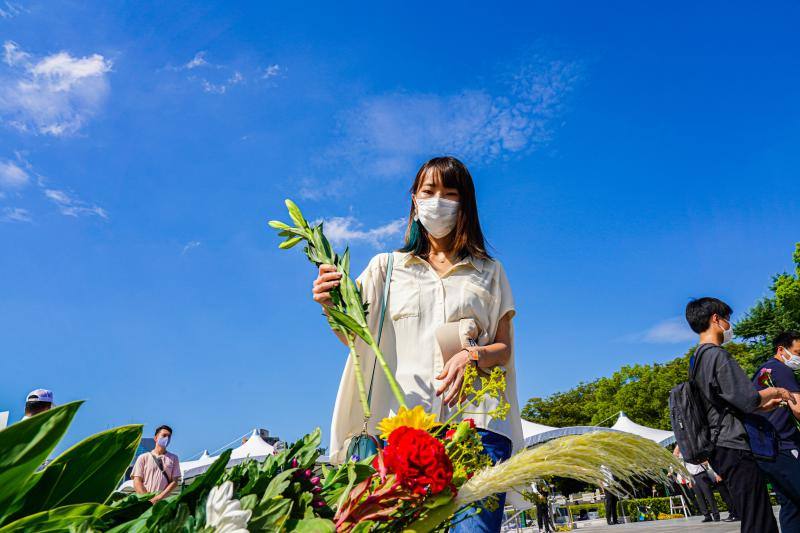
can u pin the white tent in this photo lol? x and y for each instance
(556, 433)
(659, 436)
(190, 469)
(3, 419)
(529, 429)
(254, 448)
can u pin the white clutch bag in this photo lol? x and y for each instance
(455, 336)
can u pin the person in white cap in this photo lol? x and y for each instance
(38, 401)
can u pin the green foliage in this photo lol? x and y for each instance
(63, 518)
(23, 448)
(773, 314)
(86, 473)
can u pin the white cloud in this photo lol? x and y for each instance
(69, 205)
(12, 176)
(271, 71)
(670, 331)
(53, 95)
(191, 245)
(389, 135)
(341, 230)
(9, 10)
(15, 214)
(199, 60)
(213, 87)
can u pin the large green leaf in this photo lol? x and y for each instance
(58, 519)
(23, 448)
(86, 473)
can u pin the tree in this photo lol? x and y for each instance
(773, 314)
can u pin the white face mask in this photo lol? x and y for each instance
(791, 360)
(727, 334)
(163, 441)
(437, 215)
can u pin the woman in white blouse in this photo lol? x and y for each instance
(443, 274)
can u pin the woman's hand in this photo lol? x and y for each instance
(327, 280)
(453, 377)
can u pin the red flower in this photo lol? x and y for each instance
(471, 422)
(418, 460)
(449, 434)
(765, 377)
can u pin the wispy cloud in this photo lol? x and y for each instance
(9, 10)
(69, 205)
(12, 176)
(15, 214)
(218, 78)
(670, 331)
(341, 230)
(55, 94)
(189, 246)
(272, 71)
(386, 136)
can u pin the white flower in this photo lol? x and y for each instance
(223, 513)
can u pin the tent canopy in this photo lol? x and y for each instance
(659, 436)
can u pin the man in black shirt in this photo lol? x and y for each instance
(729, 394)
(784, 472)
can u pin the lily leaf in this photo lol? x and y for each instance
(25, 445)
(296, 214)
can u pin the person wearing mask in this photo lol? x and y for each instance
(158, 471)
(38, 401)
(784, 472)
(728, 394)
(442, 275)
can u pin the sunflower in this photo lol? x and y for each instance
(415, 418)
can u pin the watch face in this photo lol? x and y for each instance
(474, 356)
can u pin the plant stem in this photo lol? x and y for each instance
(396, 390)
(362, 393)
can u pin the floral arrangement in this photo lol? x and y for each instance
(427, 471)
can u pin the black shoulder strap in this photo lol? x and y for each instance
(160, 466)
(693, 370)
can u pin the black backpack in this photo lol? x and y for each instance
(687, 412)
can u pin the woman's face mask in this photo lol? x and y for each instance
(437, 215)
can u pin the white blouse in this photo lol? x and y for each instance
(419, 302)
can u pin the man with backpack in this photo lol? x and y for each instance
(708, 414)
(158, 471)
(784, 471)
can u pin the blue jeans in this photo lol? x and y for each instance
(784, 474)
(498, 448)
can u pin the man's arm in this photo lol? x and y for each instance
(138, 485)
(164, 493)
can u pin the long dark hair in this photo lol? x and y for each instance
(468, 238)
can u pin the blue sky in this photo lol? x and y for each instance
(627, 157)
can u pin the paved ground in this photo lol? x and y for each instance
(678, 525)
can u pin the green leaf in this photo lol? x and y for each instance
(344, 263)
(314, 525)
(348, 322)
(58, 519)
(289, 243)
(278, 484)
(25, 445)
(363, 527)
(296, 214)
(86, 473)
(306, 450)
(270, 515)
(277, 224)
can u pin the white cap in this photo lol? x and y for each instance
(40, 395)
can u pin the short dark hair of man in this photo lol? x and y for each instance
(35, 407)
(163, 426)
(785, 340)
(700, 311)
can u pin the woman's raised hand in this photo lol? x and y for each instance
(327, 279)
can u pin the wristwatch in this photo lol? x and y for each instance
(474, 354)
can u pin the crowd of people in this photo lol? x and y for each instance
(156, 472)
